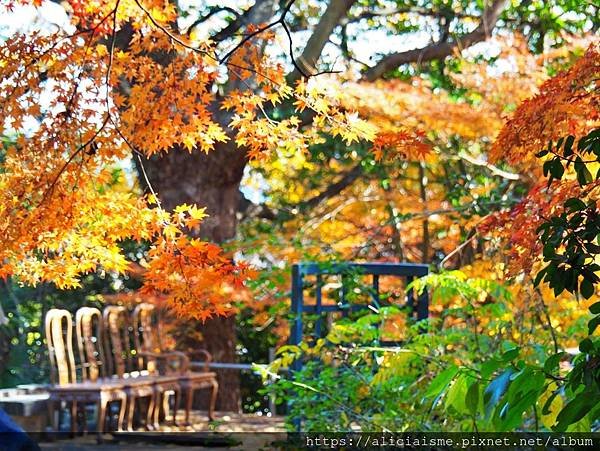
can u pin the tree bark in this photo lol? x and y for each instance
(209, 180)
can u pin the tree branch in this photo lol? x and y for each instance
(312, 51)
(332, 190)
(494, 169)
(248, 209)
(409, 10)
(215, 10)
(440, 50)
(255, 14)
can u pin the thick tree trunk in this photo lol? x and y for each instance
(210, 180)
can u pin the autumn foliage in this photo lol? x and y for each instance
(95, 102)
(567, 104)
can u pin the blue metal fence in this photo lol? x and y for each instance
(418, 305)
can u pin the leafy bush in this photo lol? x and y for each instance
(454, 372)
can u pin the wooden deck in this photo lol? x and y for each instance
(229, 431)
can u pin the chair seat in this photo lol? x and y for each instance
(205, 375)
(88, 386)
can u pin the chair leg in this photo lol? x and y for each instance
(130, 408)
(165, 405)
(73, 418)
(213, 400)
(153, 411)
(122, 409)
(176, 401)
(84, 429)
(52, 413)
(189, 398)
(102, 403)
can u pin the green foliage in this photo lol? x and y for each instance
(571, 239)
(571, 242)
(564, 156)
(448, 374)
(448, 284)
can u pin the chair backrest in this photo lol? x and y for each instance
(117, 340)
(146, 332)
(59, 339)
(90, 335)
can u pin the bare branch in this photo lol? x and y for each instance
(211, 12)
(441, 50)
(330, 19)
(494, 169)
(409, 10)
(248, 209)
(279, 21)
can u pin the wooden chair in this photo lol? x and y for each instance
(139, 383)
(66, 388)
(146, 327)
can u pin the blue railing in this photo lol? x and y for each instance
(418, 306)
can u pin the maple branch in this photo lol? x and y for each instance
(297, 67)
(169, 34)
(77, 151)
(138, 163)
(279, 21)
(250, 209)
(472, 236)
(195, 49)
(91, 140)
(441, 49)
(111, 55)
(247, 17)
(248, 37)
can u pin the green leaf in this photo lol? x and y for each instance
(586, 288)
(595, 308)
(514, 416)
(575, 204)
(592, 324)
(552, 362)
(472, 399)
(441, 381)
(549, 250)
(575, 410)
(586, 346)
(584, 176)
(569, 145)
(457, 393)
(488, 367)
(549, 401)
(556, 169)
(495, 390)
(511, 354)
(288, 348)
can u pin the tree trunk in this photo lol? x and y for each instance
(209, 180)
